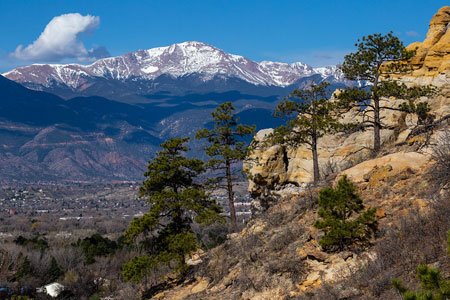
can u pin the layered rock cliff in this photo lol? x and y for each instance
(277, 171)
(431, 64)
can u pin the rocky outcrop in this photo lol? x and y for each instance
(376, 170)
(276, 171)
(431, 64)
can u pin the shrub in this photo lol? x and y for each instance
(433, 287)
(96, 245)
(337, 208)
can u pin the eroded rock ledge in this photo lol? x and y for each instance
(276, 171)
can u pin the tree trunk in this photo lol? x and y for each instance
(315, 161)
(376, 125)
(230, 196)
(314, 141)
(376, 113)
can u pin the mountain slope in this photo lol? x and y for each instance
(189, 65)
(44, 138)
(105, 120)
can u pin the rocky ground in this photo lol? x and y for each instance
(278, 256)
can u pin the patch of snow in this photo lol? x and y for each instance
(150, 69)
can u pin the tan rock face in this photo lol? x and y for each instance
(271, 168)
(376, 170)
(431, 64)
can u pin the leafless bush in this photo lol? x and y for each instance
(284, 236)
(328, 168)
(126, 291)
(9, 257)
(289, 264)
(211, 236)
(441, 155)
(262, 259)
(419, 238)
(82, 284)
(68, 258)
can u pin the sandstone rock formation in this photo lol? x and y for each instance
(375, 170)
(276, 171)
(431, 64)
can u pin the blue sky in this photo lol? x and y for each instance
(315, 32)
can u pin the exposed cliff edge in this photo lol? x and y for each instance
(276, 171)
(431, 64)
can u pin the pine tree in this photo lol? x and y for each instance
(25, 268)
(225, 148)
(54, 271)
(433, 287)
(378, 57)
(313, 117)
(337, 208)
(176, 202)
(96, 245)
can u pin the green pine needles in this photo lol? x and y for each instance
(338, 209)
(176, 200)
(376, 59)
(433, 287)
(312, 116)
(225, 147)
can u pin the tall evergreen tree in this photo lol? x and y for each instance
(378, 57)
(225, 148)
(312, 116)
(54, 271)
(176, 201)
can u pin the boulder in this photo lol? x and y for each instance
(378, 169)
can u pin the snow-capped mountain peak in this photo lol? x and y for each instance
(176, 60)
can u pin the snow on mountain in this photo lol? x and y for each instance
(175, 60)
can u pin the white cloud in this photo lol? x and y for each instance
(61, 39)
(412, 33)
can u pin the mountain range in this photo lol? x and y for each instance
(104, 121)
(178, 69)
